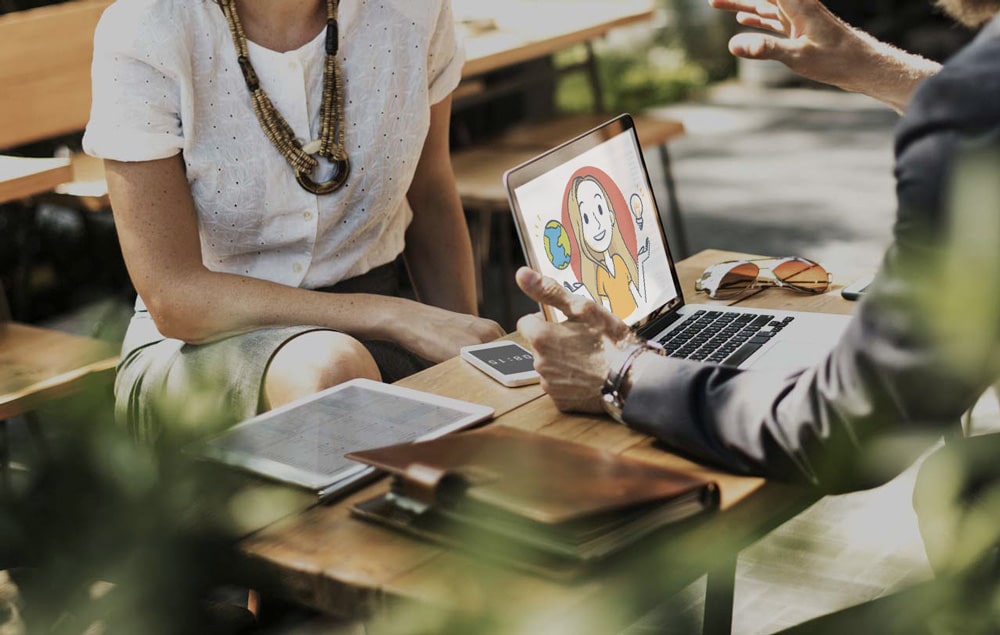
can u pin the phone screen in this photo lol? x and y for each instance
(508, 359)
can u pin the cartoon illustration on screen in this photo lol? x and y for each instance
(600, 243)
(635, 203)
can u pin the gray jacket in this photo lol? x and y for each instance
(912, 360)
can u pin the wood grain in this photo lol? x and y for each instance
(39, 364)
(554, 26)
(45, 70)
(22, 177)
(332, 562)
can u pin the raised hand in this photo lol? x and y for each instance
(572, 356)
(818, 45)
(643, 254)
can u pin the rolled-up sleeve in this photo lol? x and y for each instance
(135, 112)
(445, 56)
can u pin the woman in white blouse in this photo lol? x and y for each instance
(224, 240)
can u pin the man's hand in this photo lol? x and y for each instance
(820, 46)
(573, 357)
(816, 43)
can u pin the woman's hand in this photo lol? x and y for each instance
(436, 334)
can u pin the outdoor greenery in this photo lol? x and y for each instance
(678, 58)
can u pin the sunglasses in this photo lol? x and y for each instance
(735, 277)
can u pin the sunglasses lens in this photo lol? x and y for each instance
(802, 274)
(737, 280)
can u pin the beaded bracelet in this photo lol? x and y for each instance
(614, 391)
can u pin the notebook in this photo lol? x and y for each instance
(303, 443)
(534, 501)
(615, 240)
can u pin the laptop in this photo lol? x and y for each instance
(586, 216)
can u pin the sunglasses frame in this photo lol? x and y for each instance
(760, 283)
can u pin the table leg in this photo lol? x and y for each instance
(480, 235)
(719, 598)
(679, 237)
(5, 487)
(595, 78)
(507, 270)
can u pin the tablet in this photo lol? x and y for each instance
(303, 443)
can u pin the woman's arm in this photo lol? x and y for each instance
(158, 231)
(438, 250)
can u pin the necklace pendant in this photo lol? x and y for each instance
(342, 169)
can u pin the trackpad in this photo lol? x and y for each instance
(787, 354)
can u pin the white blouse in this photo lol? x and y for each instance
(166, 80)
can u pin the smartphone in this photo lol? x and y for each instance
(856, 289)
(509, 363)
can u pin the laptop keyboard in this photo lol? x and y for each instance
(722, 337)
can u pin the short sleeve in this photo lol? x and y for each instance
(136, 108)
(445, 57)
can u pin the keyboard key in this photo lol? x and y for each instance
(742, 354)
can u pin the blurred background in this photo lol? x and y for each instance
(768, 164)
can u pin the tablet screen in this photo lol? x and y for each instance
(304, 443)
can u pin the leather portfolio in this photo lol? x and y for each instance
(541, 502)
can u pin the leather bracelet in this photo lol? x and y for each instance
(615, 388)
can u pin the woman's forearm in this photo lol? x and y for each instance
(438, 249)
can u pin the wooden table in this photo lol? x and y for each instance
(22, 177)
(326, 559)
(517, 31)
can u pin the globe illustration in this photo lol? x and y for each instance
(556, 244)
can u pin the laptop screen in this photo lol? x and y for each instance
(586, 216)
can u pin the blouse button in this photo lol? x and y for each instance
(307, 215)
(297, 267)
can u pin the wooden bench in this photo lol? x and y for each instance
(45, 57)
(45, 60)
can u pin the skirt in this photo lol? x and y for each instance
(167, 390)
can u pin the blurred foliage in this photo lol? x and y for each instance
(701, 33)
(103, 535)
(670, 63)
(630, 84)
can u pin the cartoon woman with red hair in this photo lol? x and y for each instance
(610, 269)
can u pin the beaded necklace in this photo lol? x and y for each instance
(330, 144)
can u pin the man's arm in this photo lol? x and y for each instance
(818, 45)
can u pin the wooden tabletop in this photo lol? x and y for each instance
(21, 177)
(500, 34)
(328, 560)
(37, 365)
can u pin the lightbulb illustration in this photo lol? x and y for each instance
(635, 203)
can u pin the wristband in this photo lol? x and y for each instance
(617, 384)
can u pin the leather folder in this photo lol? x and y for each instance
(542, 503)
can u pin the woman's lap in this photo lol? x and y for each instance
(182, 391)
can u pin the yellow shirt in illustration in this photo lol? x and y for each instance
(615, 287)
